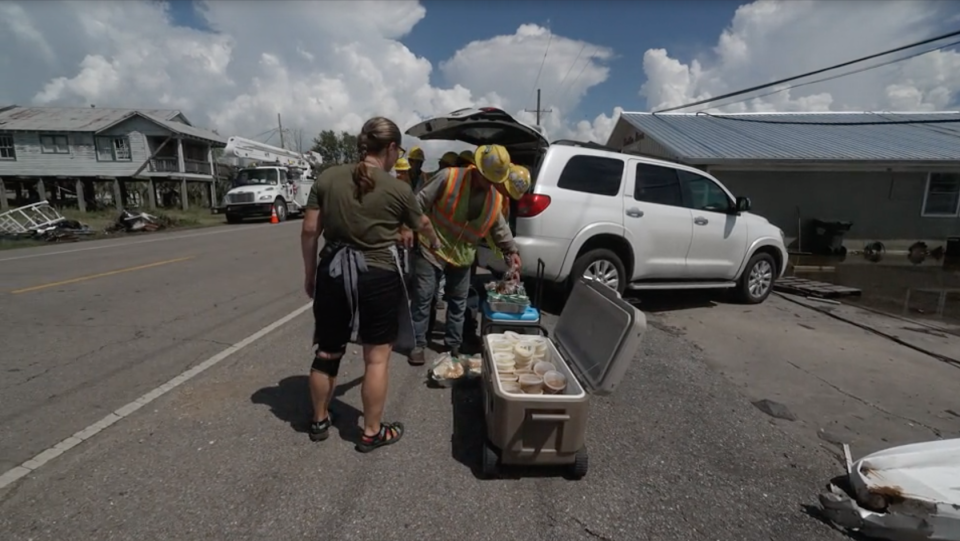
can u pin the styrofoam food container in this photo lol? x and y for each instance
(554, 381)
(543, 367)
(512, 336)
(511, 387)
(523, 351)
(529, 383)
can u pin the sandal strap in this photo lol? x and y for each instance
(394, 430)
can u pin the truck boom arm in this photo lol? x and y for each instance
(262, 152)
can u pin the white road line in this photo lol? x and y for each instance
(15, 473)
(160, 238)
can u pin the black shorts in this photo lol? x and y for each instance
(380, 293)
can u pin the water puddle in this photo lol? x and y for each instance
(913, 285)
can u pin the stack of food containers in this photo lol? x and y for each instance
(535, 388)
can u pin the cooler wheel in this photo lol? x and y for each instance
(490, 467)
(580, 463)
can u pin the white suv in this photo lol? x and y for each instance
(627, 221)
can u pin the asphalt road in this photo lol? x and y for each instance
(676, 453)
(842, 382)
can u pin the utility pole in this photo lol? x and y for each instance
(538, 110)
(280, 124)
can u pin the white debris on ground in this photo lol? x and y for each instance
(905, 493)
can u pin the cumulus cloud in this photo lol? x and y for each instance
(769, 40)
(327, 64)
(323, 65)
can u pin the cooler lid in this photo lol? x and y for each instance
(599, 334)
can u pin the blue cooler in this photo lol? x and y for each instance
(497, 322)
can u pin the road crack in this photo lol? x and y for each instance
(589, 531)
(865, 402)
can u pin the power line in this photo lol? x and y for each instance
(815, 72)
(570, 69)
(582, 69)
(839, 75)
(542, 62)
(796, 123)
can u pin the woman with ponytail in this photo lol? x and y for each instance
(356, 284)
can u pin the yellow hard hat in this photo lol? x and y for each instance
(449, 159)
(402, 165)
(467, 155)
(518, 181)
(493, 162)
(416, 153)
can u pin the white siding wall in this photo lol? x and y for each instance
(82, 160)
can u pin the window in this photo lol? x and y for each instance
(592, 174)
(7, 151)
(54, 144)
(704, 193)
(113, 149)
(942, 197)
(657, 184)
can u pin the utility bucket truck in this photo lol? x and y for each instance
(279, 180)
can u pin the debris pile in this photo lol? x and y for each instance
(40, 221)
(901, 494)
(131, 222)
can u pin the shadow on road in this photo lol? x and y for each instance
(674, 301)
(649, 301)
(289, 401)
(466, 442)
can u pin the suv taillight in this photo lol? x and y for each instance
(532, 204)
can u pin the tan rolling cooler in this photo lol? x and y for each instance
(594, 341)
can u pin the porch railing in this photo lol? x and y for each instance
(197, 167)
(171, 165)
(164, 165)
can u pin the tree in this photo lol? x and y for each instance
(336, 149)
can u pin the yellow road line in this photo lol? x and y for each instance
(100, 275)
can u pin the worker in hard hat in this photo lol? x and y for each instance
(449, 159)
(402, 169)
(466, 159)
(464, 205)
(415, 158)
(517, 184)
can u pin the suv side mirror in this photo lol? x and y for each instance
(743, 204)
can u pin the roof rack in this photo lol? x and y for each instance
(585, 144)
(598, 146)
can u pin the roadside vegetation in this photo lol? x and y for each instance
(98, 222)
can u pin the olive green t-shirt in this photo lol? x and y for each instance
(371, 225)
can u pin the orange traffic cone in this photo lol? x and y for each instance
(273, 216)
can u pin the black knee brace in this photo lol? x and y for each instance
(330, 367)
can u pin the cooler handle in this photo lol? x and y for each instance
(550, 417)
(541, 268)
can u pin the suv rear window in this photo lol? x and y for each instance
(592, 174)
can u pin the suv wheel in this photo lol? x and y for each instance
(603, 266)
(756, 283)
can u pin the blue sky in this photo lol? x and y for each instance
(684, 27)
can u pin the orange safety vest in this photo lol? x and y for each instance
(458, 235)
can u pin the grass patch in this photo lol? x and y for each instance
(99, 221)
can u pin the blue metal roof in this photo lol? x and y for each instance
(885, 137)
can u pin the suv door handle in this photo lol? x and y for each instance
(700, 220)
(634, 212)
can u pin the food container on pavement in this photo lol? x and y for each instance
(592, 346)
